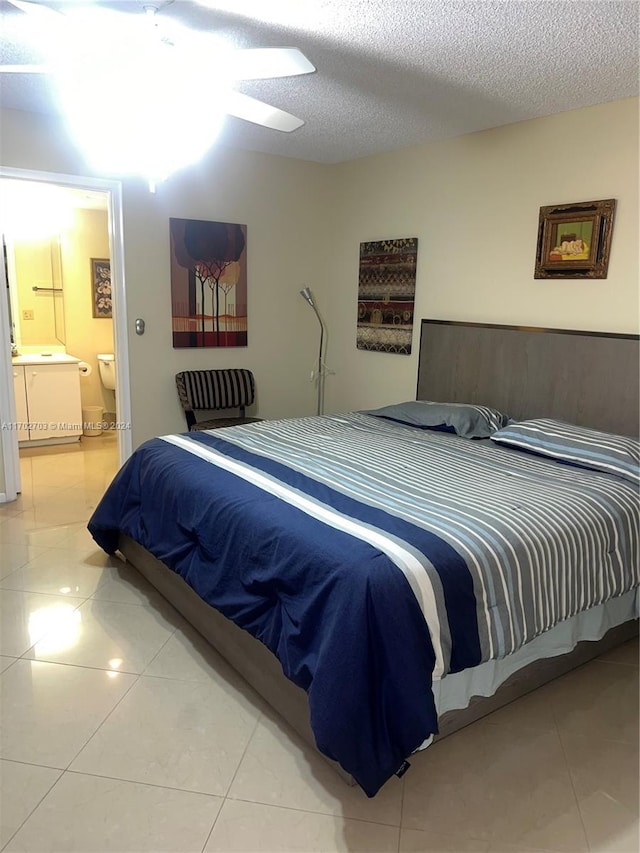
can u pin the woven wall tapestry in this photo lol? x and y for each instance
(208, 283)
(386, 292)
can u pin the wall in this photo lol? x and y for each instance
(473, 202)
(283, 202)
(86, 238)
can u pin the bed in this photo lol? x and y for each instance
(371, 576)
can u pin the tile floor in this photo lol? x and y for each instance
(123, 731)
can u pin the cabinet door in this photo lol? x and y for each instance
(53, 398)
(20, 393)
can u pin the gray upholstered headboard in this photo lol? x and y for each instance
(586, 378)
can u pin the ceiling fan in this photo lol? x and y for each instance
(129, 77)
(84, 22)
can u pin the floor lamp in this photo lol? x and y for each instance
(308, 296)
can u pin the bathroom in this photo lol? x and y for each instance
(56, 244)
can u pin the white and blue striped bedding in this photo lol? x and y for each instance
(575, 445)
(373, 557)
(542, 541)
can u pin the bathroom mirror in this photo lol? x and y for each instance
(34, 267)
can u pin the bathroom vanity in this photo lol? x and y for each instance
(47, 394)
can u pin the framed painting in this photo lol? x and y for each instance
(101, 288)
(574, 240)
(208, 283)
(386, 292)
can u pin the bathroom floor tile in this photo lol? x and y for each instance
(87, 813)
(49, 710)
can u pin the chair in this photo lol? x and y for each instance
(201, 390)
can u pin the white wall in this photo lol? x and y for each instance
(473, 202)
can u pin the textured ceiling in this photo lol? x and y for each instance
(394, 73)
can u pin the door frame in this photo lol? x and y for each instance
(8, 436)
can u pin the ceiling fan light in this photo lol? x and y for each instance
(147, 113)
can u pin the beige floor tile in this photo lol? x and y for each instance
(249, 827)
(28, 616)
(6, 661)
(86, 813)
(174, 733)
(80, 540)
(12, 557)
(421, 841)
(186, 656)
(126, 585)
(278, 768)
(60, 572)
(605, 778)
(70, 506)
(492, 783)
(22, 786)
(129, 634)
(590, 699)
(22, 529)
(49, 711)
(531, 713)
(11, 508)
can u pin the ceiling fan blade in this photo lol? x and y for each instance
(24, 69)
(250, 109)
(32, 8)
(266, 62)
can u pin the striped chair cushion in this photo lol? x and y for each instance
(575, 445)
(215, 389)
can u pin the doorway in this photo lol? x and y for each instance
(103, 193)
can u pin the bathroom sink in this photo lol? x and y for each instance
(41, 358)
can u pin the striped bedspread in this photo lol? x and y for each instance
(373, 557)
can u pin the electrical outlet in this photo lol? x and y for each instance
(27, 314)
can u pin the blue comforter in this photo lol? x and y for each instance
(321, 537)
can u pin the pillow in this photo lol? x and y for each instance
(575, 445)
(465, 419)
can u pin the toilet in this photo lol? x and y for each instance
(107, 365)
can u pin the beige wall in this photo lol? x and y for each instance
(284, 204)
(473, 202)
(88, 237)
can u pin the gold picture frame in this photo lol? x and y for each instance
(574, 240)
